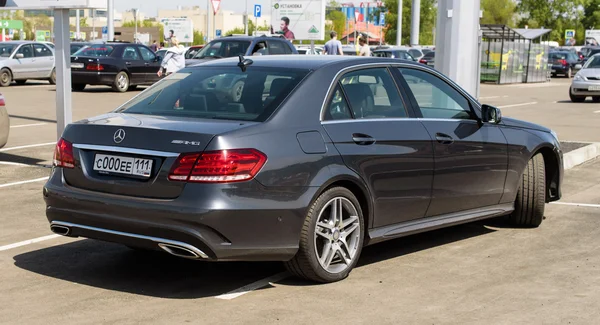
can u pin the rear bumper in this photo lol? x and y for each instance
(242, 222)
(93, 78)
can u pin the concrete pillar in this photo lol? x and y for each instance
(456, 47)
(111, 19)
(399, 32)
(415, 22)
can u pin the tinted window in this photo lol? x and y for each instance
(26, 50)
(338, 108)
(223, 49)
(436, 99)
(276, 48)
(372, 93)
(96, 50)
(429, 55)
(593, 63)
(130, 53)
(42, 50)
(147, 54)
(218, 93)
(260, 48)
(415, 53)
(75, 48)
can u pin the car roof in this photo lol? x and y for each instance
(246, 38)
(23, 42)
(308, 62)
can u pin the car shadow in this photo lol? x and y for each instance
(37, 119)
(30, 84)
(6, 157)
(103, 90)
(587, 101)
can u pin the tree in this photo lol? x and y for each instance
(198, 38)
(338, 22)
(148, 24)
(557, 15)
(427, 21)
(591, 15)
(498, 12)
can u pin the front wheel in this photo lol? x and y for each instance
(576, 99)
(331, 239)
(531, 196)
(121, 83)
(569, 73)
(5, 78)
(78, 87)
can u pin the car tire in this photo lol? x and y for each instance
(576, 99)
(236, 91)
(324, 241)
(78, 87)
(52, 79)
(121, 83)
(21, 82)
(531, 195)
(596, 99)
(569, 74)
(134, 87)
(5, 78)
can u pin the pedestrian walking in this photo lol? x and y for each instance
(364, 49)
(174, 59)
(154, 46)
(333, 46)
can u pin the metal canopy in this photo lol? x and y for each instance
(503, 32)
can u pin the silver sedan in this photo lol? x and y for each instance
(23, 60)
(587, 82)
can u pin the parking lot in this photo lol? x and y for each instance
(474, 273)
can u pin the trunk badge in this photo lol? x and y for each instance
(119, 136)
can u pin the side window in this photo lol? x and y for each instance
(372, 93)
(130, 53)
(435, 97)
(26, 51)
(337, 109)
(147, 54)
(41, 50)
(260, 48)
(287, 48)
(276, 48)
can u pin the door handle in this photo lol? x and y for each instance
(363, 139)
(444, 138)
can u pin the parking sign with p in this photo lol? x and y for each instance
(257, 11)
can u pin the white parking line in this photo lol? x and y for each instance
(578, 204)
(253, 286)
(515, 105)
(28, 146)
(26, 125)
(597, 112)
(15, 164)
(24, 182)
(28, 242)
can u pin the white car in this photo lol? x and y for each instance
(23, 60)
(587, 81)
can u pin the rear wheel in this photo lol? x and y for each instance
(236, 91)
(569, 73)
(21, 82)
(78, 87)
(5, 78)
(121, 83)
(331, 239)
(576, 99)
(52, 79)
(531, 196)
(596, 99)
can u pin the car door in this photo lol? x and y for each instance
(368, 123)
(134, 63)
(23, 67)
(471, 158)
(151, 65)
(44, 60)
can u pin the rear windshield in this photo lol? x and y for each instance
(98, 50)
(217, 93)
(414, 53)
(430, 55)
(7, 49)
(223, 49)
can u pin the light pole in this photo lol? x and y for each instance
(135, 35)
(77, 24)
(246, 18)
(399, 29)
(111, 20)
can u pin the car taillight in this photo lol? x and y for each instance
(423, 61)
(222, 166)
(94, 67)
(63, 154)
(562, 62)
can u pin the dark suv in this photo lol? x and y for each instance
(231, 46)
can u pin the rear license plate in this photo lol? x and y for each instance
(553, 71)
(594, 88)
(123, 165)
(77, 65)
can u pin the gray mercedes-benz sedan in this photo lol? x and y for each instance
(318, 157)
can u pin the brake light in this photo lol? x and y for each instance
(95, 67)
(222, 166)
(423, 61)
(562, 62)
(63, 154)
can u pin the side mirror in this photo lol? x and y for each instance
(578, 66)
(491, 114)
(19, 56)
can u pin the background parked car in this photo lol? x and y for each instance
(566, 63)
(428, 59)
(4, 122)
(123, 66)
(192, 51)
(589, 51)
(587, 82)
(394, 53)
(76, 46)
(306, 50)
(23, 60)
(416, 53)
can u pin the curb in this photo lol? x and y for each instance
(581, 155)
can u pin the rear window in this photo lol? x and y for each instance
(223, 49)
(98, 50)
(558, 56)
(217, 93)
(415, 53)
(430, 55)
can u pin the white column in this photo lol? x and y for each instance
(207, 21)
(111, 20)
(63, 69)
(415, 22)
(77, 24)
(399, 34)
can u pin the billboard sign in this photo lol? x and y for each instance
(55, 4)
(182, 28)
(298, 19)
(592, 37)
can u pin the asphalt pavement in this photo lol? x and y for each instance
(469, 274)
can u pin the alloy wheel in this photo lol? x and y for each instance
(337, 235)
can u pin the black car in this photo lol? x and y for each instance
(394, 53)
(566, 63)
(233, 46)
(123, 66)
(428, 59)
(589, 51)
(307, 166)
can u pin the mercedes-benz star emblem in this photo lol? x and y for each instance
(119, 136)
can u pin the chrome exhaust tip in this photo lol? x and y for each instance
(180, 251)
(60, 230)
